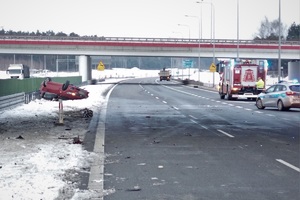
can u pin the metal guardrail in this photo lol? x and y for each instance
(13, 100)
(146, 40)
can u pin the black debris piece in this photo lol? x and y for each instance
(134, 189)
(87, 113)
(76, 140)
(20, 137)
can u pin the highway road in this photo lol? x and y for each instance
(167, 141)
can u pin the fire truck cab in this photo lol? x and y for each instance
(238, 79)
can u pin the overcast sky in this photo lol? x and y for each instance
(145, 18)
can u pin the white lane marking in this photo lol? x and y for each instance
(227, 134)
(157, 97)
(270, 115)
(258, 112)
(164, 101)
(175, 108)
(204, 127)
(248, 109)
(96, 178)
(225, 103)
(193, 117)
(194, 121)
(152, 94)
(288, 165)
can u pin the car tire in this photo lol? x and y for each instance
(65, 85)
(259, 104)
(42, 94)
(229, 96)
(222, 96)
(281, 107)
(46, 81)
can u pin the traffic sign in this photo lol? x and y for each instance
(187, 63)
(212, 67)
(100, 66)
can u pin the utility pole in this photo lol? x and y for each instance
(279, 43)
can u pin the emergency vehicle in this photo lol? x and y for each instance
(238, 79)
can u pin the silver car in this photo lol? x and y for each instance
(283, 95)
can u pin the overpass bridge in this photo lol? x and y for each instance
(84, 47)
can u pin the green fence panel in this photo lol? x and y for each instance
(13, 86)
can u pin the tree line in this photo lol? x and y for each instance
(268, 30)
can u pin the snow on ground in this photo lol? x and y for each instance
(37, 166)
(40, 166)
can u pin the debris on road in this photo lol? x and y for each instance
(76, 140)
(134, 189)
(20, 137)
(87, 113)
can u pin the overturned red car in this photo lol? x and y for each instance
(54, 91)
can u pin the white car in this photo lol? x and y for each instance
(283, 96)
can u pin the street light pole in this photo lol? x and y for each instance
(174, 32)
(279, 43)
(212, 29)
(238, 34)
(188, 28)
(200, 37)
(199, 47)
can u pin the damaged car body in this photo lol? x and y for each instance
(51, 90)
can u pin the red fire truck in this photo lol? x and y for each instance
(238, 79)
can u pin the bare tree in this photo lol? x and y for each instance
(270, 30)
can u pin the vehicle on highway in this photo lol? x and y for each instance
(165, 74)
(238, 78)
(283, 95)
(19, 71)
(54, 91)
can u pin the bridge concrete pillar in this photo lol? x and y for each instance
(85, 69)
(294, 70)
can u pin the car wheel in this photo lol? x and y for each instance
(66, 85)
(222, 95)
(281, 107)
(229, 96)
(46, 81)
(259, 104)
(42, 94)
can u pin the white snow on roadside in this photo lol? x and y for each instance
(37, 172)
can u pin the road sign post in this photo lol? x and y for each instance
(212, 69)
(187, 64)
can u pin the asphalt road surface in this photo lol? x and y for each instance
(166, 141)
